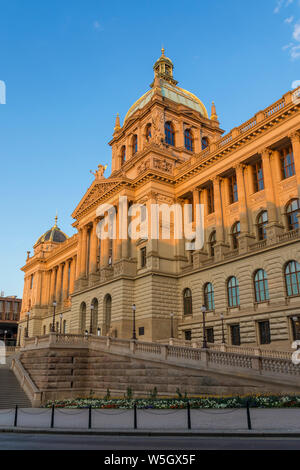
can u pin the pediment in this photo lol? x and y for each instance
(94, 195)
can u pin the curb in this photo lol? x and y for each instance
(99, 432)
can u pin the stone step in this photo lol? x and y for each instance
(11, 393)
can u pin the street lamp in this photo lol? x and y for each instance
(223, 333)
(133, 325)
(98, 331)
(91, 320)
(5, 333)
(203, 310)
(60, 324)
(172, 325)
(27, 329)
(53, 322)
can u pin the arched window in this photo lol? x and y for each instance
(292, 278)
(287, 163)
(212, 243)
(209, 298)
(261, 286)
(82, 317)
(107, 312)
(94, 317)
(233, 292)
(123, 155)
(204, 143)
(134, 144)
(292, 212)
(188, 140)
(148, 132)
(187, 302)
(169, 134)
(262, 221)
(235, 232)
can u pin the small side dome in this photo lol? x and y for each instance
(53, 235)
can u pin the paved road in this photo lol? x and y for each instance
(10, 441)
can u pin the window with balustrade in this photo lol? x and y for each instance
(292, 211)
(169, 133)
(235, 232)
(262, 221)
(148, 132)
(212, 243)
(261, 286)
(188, 140)
(233, 292)
(287, 163)
(233, 191)
(209, 297)
(292, 278)
(258, 176)
(187, 302)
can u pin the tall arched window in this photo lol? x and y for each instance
(204, 143)
(209, 298)
(292, 278)
(187, 302)
(169, 134)
(134, 144)
(123, 155)
(261, 286)
(188, 140)
(107, 312)
(148, 132)
(94, 317)
(292, 212)
(287, 163)
(233, 292)
(82, 319)
(212, 243)
(235, 232)
(262, 221)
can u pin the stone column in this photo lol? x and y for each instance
(52, 286)
(58, 293)
(196, 200)
(78, 263)
(295, 139)
(65, 280)
(220, 246)
(270, 170)
(245, 239)
(93, 248)
(83, 252)
(118, 241)
(72, 275)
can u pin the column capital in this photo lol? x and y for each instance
(294, 136)
(240, 166)
(265, 152)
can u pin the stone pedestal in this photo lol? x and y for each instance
(245, 240)
(273, 231)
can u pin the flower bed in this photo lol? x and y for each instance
(257, 401)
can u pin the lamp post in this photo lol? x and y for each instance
(133, 324)
(91, 319)
(60, 323)
(98, 331)
(53, 322)
(203, 310)
(5, 333)
(223, 333)
(172, 325)
(27, 328)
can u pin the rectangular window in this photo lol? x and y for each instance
(258, 175)
(210, 335)
(235, 335)
(287, 163)
(7, 306)
(210, 199)
(143, 257)
(1, 306)
(233, 192)
(188, 335)
(7, 315)
(296, 328)
(141, 331)
(264, 332)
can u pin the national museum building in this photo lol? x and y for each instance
(247, 274)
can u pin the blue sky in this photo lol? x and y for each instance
(70, 65)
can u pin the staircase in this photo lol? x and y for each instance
(11, 393)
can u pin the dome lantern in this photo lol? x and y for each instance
(163, 68)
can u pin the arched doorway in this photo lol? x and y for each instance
(107, 313)
(82, 318)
